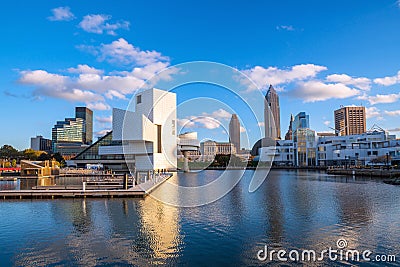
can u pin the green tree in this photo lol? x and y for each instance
(14, 163)
(57, 157)
(31, 154)
(8, 152)
(44, 156)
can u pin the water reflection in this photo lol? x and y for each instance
(291, 210)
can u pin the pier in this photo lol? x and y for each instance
(86, 191)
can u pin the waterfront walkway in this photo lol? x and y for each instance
(138, 191)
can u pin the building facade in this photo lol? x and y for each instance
(272, 115)
(39, 143)
(301, 121)
(350, 120)
(87, 116)
(289, 133)
(209, 149)
(234, 132)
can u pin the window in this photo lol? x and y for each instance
(138, 99)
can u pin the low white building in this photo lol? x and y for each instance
(362, 149)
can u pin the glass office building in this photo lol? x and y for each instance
(87, 116)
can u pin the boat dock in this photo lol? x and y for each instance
(89, 191)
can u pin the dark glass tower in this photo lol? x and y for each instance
(87, 115)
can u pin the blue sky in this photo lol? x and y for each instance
(56, 55)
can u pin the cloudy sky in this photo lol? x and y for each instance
(319, 55)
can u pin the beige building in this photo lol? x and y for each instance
(350, 120)
(209, 149)
(272, 115)
(39, 169)
(234, 131)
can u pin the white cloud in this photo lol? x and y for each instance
(97, 23)
(313, 91)
(57, 86)
(380, 99)
(120, 51)
(261, 124)
(289, 28)
(392, 112)
(186, 123)
(373, 112)
(361, 83)
(112, 93)
(389, 80)
(85, 69)
(262, 77)
(327, 123)
(87, 84)
(102, 132)
(220, 114)
(98, 106)
(104, 119)
(61, 14)
(242, 129)
(199, 122)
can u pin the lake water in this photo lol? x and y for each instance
(292, 210)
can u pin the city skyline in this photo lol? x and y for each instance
(79, 55)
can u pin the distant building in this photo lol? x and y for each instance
(289, 134)
(305, 144)
(39, 143)
(350, 120)
(361, 149)
(39, 169)
(209, 149)
(87, 116)
(234, 132)
(301, 120)
(71, 136)
(272, 115)
(188, 144)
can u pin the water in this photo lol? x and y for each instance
(291, 210)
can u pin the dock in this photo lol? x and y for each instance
(76, 191)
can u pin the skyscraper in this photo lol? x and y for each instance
(289, 133)
(87, 115)
(272, 115)
(234, 132)
(350, 120)
(301, 121)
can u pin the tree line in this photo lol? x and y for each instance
(11, 156)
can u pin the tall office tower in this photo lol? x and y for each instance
(234, 132)
(272, 114)
(350, 120)
(68, 131)
(289, 133)
(301, 121)
(87, 115)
